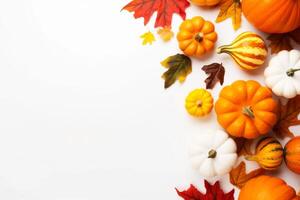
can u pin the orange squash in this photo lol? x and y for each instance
(246, 109)
(292, 154)
(273, 16)
(267, 188)
(205, 2)
(196, 36)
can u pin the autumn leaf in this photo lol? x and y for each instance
(239, 177)
(148, 38)
(179, 67)
(164, 8)
(213, 192)
(288, 116)
(231, 9)
(216, 73)
(279, 42)
(165, 33)
(243, 146)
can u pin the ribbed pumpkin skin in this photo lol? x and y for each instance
(292, 154)
(248, 50)
(267, 188)
(273, 16)
(205, 2)
(196, 36)
(238, 101)
(269, 153)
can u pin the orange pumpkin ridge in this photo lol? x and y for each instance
(273, 16)
(267, 188)
(292, 154)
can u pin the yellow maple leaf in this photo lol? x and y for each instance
(165, 33)
(148, 38)
(231, 9)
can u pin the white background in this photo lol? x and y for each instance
(83, 112)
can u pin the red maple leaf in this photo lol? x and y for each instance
(213, 192)
(165, 10)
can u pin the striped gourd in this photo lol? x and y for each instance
(248, 50)
(268, 154)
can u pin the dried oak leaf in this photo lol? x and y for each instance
(243, 146)
(288, 116)
(281, 42)
(216, 73)
(239, 177)
(179, 67)
(231, 9)
(164, 8)
(148, 38)
(213, 192)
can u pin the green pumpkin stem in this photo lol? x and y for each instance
(248, 111)
(291, 72)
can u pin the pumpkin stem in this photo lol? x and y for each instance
(248, 111)
(212, 154)
(291, 72)
(199, 37)
(223, 49)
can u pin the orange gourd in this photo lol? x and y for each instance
(292, 154)
(273, 16)
(205, 2)
(246, 109)
(196, 36)
(267, 188)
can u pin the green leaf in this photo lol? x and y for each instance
(179, 67)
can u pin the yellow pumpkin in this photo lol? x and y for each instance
(199, 103)
(268, 154)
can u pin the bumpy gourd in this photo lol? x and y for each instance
(212, 153)
(268, 153)
(248, 50)
(246, 109)
(292, 154)
(196, 36)
(199, 103)
(273, 16)
(283, 74)
(267, 188)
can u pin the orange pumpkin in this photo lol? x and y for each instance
(273, 16)
(267, 188)
(246, 109)
(292, 154)
(196, 36)
(205, 2)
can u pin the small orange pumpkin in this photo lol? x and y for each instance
(205, 2)
(267, 188)
(246, 109)
(273, 16)
(292, 154)
(196, 36)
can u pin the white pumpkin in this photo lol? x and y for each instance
(282, 75)
(213, 153)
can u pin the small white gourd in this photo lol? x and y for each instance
(282, 75)
(213, 153)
